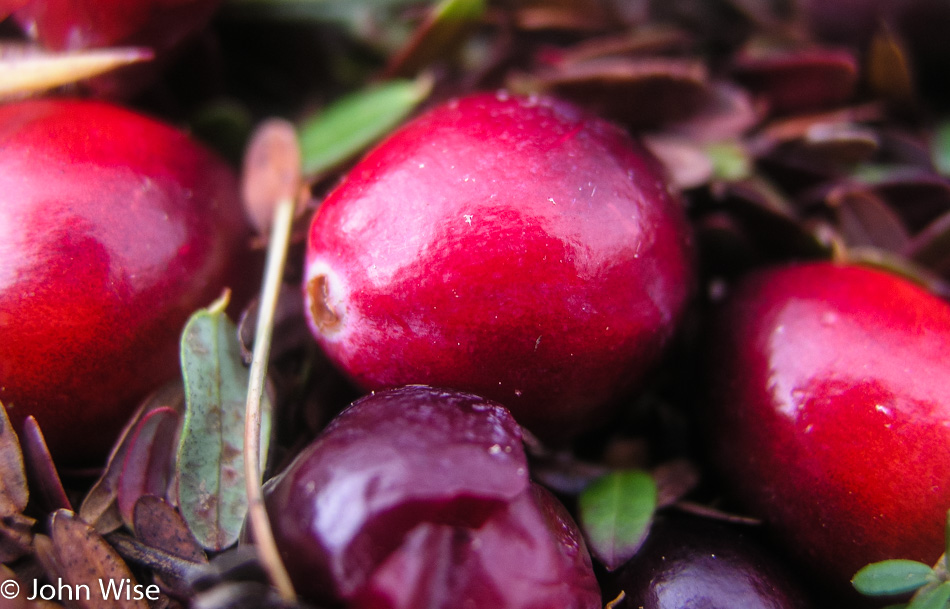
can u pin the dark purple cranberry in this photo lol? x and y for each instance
(695, 563)
(419, 497)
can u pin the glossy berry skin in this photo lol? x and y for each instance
(114, 228)
(695, 562)
(516, 248)
(420, 497)
(831, 412)
(72, 25)
(83, 24)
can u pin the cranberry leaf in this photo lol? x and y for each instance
(82, 557)
(445, 28)
(940, 148)
(348, 126)
(932, 598)
(615, 513)
(14, 493)
(148, 464)
(210, 463)
(891, 577)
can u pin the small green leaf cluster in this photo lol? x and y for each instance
(930, 585)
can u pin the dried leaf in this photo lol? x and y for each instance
(615, 513)
(575, 15)
(347, 127)
(639, 92)
(866, 220)
(889, 73)
(99, 507)
(210, 469)
(16, 537)
(445, 28)
(14, 493)
(148, 464)
(41, 471)
(27, 70)
(160, 526)
(83, 558)
(271, 171)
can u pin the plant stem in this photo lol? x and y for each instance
(260, 525)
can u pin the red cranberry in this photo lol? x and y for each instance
(516, 248)
(420, 497)
(162, 25)
(832, 412)
(114, 229)
(693, 562)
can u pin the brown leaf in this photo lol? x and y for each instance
(99, 507)
(83, 558)
(634, 91)
(289, 333)
(888, 70)
(271, 171)
(16, 537)
(798, 127)
(159, 525)
(41, 471)
(14, 492)
(578, 15)
(149, 462)
(866, 220)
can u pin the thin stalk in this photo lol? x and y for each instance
(257, 514)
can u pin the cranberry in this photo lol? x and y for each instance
(161, 25)
(114, 229)
(693, 562)
(831, 410)
(420, 497)
(516, 248)
(82, 24)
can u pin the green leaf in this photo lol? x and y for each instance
(350, 125)
(730, 161)
(442, 33)
(321, 11)
(210, 465)
(935, 598)
(940, 148)
(615, 512)
(891, 577)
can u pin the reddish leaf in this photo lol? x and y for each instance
(674, 480)
(41, 471)
(99, 507)
(637, 92)
(799, 81)
(445, 28)
(866, 220)
(16, 537)
(149, 461)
